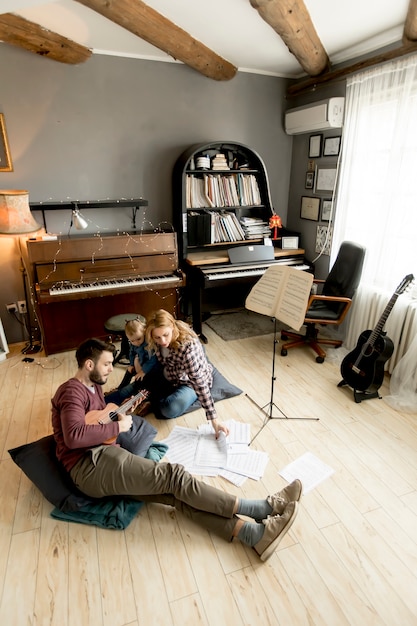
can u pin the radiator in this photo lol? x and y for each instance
(401, 325)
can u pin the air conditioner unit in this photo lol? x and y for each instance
(315, 116)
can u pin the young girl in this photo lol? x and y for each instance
(141, 363)
(187, 374)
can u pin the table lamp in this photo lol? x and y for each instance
(16, 219)
(15, 215)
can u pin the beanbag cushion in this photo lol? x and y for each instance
(40, 464)
(220, 390)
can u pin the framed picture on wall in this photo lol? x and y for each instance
(324, 236)
(314, 147)
(309, 184)
(310, 208)
(326, 210)
(326, 179)
(331, 146)
(5, 158)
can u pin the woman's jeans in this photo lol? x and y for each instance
(167, 401)
(177, 402)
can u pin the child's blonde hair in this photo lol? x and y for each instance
(135, 326)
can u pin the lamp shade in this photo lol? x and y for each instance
(79, 220)
(15, 215)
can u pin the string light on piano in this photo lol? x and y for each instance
(136, 276)
(149, 242)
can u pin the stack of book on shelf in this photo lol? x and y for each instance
(219, 162)
(222, 191)
(210, 226)
(227, 227)
(255, 227)
(248, 190)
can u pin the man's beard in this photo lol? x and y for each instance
(96, 378)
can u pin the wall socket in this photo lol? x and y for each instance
(12, 308)
(22, 306)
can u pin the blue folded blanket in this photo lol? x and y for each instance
(115, 513)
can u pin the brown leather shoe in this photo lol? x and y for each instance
(291, 493)
(275, 529)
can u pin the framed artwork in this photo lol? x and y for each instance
(326, 179)
(331, 146)
(324, 236)
(309, 184)
(5, 158)
(310, 208)
(326, 210)
(314, 147)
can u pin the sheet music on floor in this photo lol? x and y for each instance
(309, 469)
(204, 455)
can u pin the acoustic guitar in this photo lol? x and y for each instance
(112, 411)
(363, 368)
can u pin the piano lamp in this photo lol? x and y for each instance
(78, 220)
(16, 219)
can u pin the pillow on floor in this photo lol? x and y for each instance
(38, 461)
(220, 390)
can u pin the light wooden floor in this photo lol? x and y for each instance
(350, 558)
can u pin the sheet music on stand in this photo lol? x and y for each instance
(204, 455)
(282, 293)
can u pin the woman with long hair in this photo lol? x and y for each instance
(187, 374)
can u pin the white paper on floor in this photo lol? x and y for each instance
(309, 469)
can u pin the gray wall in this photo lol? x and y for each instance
(113, 128)
(299, 165)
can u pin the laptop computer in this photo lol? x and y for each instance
(250, 254)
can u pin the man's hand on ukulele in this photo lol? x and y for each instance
(125, 422)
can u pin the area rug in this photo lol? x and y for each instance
(241, 324)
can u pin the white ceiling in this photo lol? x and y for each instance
(231, 28)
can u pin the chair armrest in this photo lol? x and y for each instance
(337, 299)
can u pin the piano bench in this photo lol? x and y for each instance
(116, 326)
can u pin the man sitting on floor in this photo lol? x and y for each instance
(99, 467)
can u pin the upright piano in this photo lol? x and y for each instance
(78, 283)
(210, 270)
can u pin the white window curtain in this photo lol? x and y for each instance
(376, 198)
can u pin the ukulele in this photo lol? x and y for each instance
(363, 368)
(112, 411)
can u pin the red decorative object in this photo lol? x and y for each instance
(275, 223)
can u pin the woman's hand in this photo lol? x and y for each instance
(219, 428)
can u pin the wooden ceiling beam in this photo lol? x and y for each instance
(410, 26)
(310, 84)
(17, 31)
(141, 20)
(292, 21)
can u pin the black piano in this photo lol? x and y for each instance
(213, 279)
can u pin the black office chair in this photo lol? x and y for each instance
(331, 304)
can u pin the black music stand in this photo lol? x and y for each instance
(271, 404)
(260, 300)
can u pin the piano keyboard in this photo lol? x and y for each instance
(104, 285)
(254, 269)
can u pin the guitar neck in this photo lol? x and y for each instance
(400, 289)
(381, 323)
(127, 405)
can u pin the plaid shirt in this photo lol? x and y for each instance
(188, 365)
